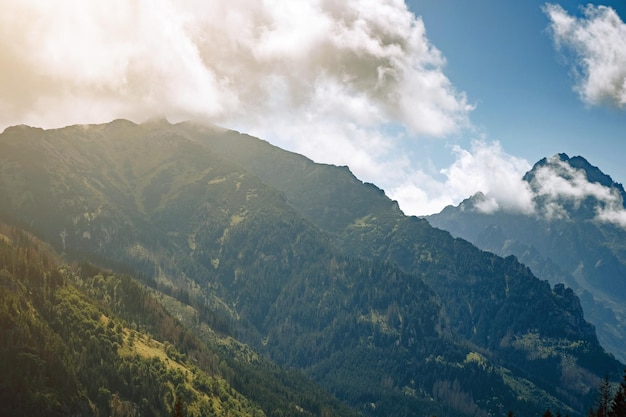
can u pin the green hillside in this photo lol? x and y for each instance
(77, 340)
(488, 300)
(259, 250)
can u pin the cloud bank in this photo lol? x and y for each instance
(598, 41)
(350, 82)
(485, 167)
(242, 62)
(554, 191)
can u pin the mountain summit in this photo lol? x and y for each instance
(575, 234)
(307, 265)
(592, 173)
(579, 189)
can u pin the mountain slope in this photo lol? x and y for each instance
(237, 239)
(65, 353)
(82, 341)
(565, 240)
(363, 222)
(308, 265)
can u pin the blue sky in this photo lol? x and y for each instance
(502, 54)
(430, 100)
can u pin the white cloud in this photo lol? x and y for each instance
(559, 180)
(348, 82)
(612, 214)
(495, 173)
(485, 168)
(420, 193)
(598, 40)
(241, 62)
(557, 183)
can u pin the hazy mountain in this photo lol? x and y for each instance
(308, 265)
(574, 235)
(77, 340)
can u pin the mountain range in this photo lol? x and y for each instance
(257, 252)
(573, 236)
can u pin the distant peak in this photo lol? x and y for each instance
(21, 128)
(592, 172)
(472, 202)
(122, 122)
(157, 121)
(564, 187)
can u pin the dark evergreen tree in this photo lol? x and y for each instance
(604, 398)
(178, 408)
(618, 406)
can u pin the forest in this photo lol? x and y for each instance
(241, 279)
(78, 340)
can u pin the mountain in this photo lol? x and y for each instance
(78, 340)
(307, 265)
(573, 235)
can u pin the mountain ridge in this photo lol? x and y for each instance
(78, 340)
(592, 172)
(574, 247)
(311, 266)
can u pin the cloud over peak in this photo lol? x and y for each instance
(559, 185)
(485, 167)
(598, 41)
(555, 188)
(347, 82)
(226, 61)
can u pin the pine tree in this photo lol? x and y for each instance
(548, 413)
(178, 408)
(618, 405)
(604, 398)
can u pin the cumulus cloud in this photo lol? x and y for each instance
(495, 173)
(557, 183)
(612, 213)
(496, 180)
(559, 180)
(348, 82)
(485, 168)
(598, 40)
(241, 62)
(77, 62)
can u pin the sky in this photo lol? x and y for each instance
(430, 100)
